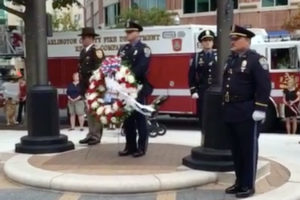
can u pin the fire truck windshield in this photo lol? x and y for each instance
(284, 58)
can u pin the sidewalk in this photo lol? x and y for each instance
(103, 160)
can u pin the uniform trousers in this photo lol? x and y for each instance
(95, 127)
(243, 137)
(135, 124)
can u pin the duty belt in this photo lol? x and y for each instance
(233, 99)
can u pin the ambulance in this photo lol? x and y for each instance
(172, 49)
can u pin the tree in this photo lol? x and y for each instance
(151, 17)
(64, 22)
(293, 23)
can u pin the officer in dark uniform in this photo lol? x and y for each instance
(90, 59)
(137, 55)
(246, 90)
(202, 70)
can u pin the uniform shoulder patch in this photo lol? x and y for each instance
(264, 63)
(99, 53)
(147, 51)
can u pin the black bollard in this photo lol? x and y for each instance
(43, 124)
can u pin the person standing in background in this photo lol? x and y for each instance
(76, 104)
(22, 99)
(291, 98)
(202, 70)
(90, 59)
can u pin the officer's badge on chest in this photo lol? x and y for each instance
(201, 61)
(243, 65)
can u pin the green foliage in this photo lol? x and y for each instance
(64, 22)
(58, 4)
(151, 17)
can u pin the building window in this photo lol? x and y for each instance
(197, 6)
(148, 4)
(112, 13)
(270, 3)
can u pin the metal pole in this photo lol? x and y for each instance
(214, 153)
(224, 22)
(43, 118)
(39, 8)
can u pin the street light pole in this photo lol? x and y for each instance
(42, 113)
(214, 153)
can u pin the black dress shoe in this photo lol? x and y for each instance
(93, 142)
(232, 189)
(125, 153)
(139, 153)
(245, 192)
(85, 140)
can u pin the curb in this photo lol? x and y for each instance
(19, 170)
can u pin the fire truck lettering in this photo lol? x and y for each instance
(112, 47)
(110, 39)
(62, 41)
(150, 37)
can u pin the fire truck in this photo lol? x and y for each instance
(172, 48)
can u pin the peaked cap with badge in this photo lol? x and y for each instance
(241, 32)
(206, 34)
(133, 26)
(88, 31)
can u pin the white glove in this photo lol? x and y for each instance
(195, 95)
(258, 115)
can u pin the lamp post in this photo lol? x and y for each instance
(214, 153)
(42, 108)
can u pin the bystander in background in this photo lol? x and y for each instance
(291, 98)
(76, 105)
(22, 99)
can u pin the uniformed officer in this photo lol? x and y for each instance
(202, 70)
(246, 90)
(137, 55)
(89, 60)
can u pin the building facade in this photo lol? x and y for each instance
(268, 14)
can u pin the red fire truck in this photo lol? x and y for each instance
(172, 48)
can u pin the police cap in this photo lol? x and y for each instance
(206, 34)
(241, 32)
(133, 26)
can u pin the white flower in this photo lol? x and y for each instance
(130, 79)
(95, 104)
(123, 70)
(100, 100)
(92, 96)
(101, 88)
(107, 109)
(103, 120)
(115, 106)
(114, 120)
(100, 110)
(92, 86)
(97, 75)
(119, 76)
